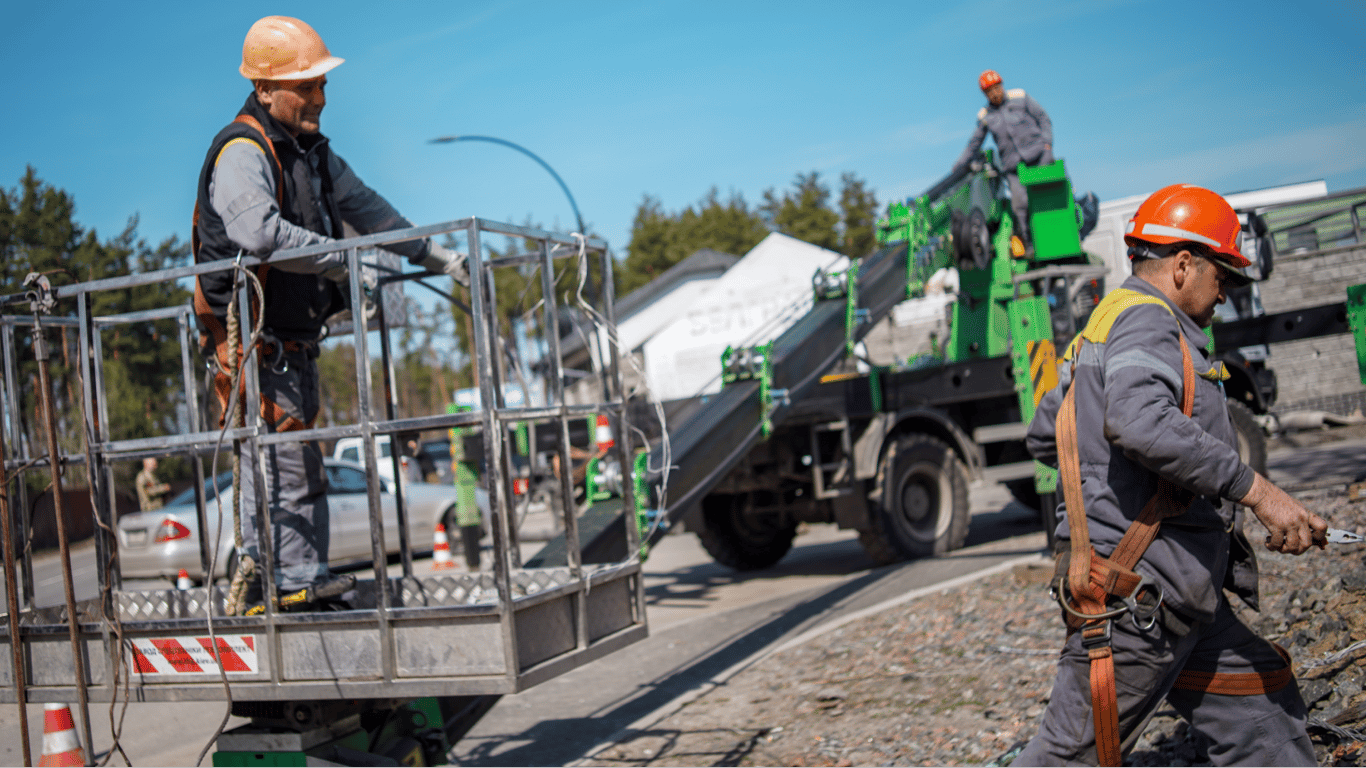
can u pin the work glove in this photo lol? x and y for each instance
(443, 261)
(341, 276)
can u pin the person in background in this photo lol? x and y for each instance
(151, 492)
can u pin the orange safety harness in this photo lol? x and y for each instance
(216, 335)
(1093, 582)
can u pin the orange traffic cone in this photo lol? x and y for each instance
(182, 580)
(60, 744)
(602, 434)
(441, 549)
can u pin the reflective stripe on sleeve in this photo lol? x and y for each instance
(238, 140)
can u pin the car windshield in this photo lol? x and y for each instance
(210, 490)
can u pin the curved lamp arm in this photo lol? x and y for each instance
(528, 153)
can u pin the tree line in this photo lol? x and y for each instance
(661, 239)
(39, 233)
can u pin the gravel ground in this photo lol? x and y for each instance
(961, 676)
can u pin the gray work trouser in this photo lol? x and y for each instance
(1019, 197)
(1265, 729)
(296, 482)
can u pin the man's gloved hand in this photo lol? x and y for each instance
(341, 276)
(443, 261)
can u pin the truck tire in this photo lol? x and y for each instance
(1251, 438)
(740, 541)
(924, 509)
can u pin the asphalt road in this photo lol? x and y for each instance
(706, 619)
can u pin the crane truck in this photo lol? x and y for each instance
(799, 433)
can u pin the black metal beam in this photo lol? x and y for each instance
(1307, 323)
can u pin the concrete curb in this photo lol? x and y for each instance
(647, 721)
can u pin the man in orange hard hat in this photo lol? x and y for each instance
(270, 181)
(1023, 134)
(1152, 482)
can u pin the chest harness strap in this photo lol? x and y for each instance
(1094, 581)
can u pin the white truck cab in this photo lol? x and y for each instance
(349, 449)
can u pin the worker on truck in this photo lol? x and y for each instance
(1149, 468)
(270, 181)
(1023, 134)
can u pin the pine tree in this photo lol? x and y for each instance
(858, 209)
(804, 213)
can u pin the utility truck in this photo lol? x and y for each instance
(799, 433)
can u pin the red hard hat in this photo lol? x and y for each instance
(1185, 213)
(988, 79)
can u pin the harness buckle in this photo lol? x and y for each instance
(277, 364)
(1144, 617)
(1091, 642)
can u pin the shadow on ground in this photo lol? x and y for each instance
(681, 659)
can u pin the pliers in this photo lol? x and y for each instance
(1339, 536)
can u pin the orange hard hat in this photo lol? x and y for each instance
(284, 48)
(988, 79)
(1185, 213)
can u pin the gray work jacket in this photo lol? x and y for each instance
(1131, 431)
(1020, 128)
(242, 190)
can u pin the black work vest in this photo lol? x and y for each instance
(296, 304)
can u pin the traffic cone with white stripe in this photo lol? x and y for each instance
(603, 435)
(441, 549)
(60, 743)
(182, 580)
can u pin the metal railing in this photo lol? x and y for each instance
(1327, 222)
(446, 634)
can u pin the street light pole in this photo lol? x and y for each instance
(528, 153)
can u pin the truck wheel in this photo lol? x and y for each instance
(1251, 438)
(924, 509)
(745, 542)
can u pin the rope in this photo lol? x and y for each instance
(601, 324)
(246, 566)
(120, 668)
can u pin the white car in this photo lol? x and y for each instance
(161, 542)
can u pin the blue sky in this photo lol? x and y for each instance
(116, 102)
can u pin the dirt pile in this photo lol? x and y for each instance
(960, 677)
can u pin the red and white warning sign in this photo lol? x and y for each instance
(194, 655)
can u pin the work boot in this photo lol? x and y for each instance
(254, 603)
(309, 598)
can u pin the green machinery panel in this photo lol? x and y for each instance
(981, 315)
(1052, 212)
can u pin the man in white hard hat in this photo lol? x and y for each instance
(270, 181)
